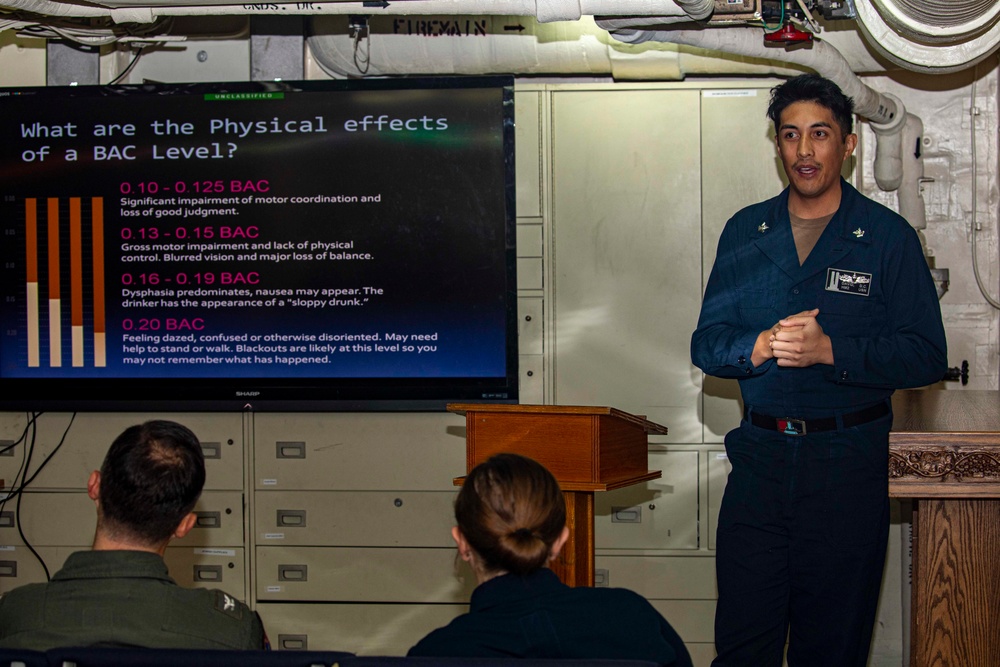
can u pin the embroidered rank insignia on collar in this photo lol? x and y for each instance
(858, 233)
(848, 282)
(226, 604)
(762, 228)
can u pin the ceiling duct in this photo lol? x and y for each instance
(939, 21)
(931, 36)
(927, 36)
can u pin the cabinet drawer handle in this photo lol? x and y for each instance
(292, 518)
(291, 450)
(208, 573)
(208, 519)
(211, 450)
(293, 573)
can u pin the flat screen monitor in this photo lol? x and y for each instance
(313, 245)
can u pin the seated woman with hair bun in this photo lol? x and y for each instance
(511, 518)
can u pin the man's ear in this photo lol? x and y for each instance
(559, 543)
(94, 486)
(185, 526)
(850, 143)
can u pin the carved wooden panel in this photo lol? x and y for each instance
(951, 464)
(945, 444)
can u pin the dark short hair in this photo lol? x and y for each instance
(151, 479)
(511, 510)
(812, 88)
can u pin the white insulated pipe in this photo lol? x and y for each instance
(822, 58)
(885, 112)
(545, 11)
(420, 46)
(911, 202)
(888, 164)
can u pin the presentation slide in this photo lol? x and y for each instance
(301, 232)
(294, 232)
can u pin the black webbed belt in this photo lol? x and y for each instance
(792, 426)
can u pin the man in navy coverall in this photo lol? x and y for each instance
(821, 304)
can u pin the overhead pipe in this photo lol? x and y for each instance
(545, 11)
(885, 112)
(821, 57)
(699, 10)
(565, 48)
(52, 8)
(894, 167)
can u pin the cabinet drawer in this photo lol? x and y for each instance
(355, 451)
(362, 575)
(355, 518)
(202, 567)
(660, 514)
(69, 519)
(91, 434)
(364, 629)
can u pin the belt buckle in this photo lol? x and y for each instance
(792, 426)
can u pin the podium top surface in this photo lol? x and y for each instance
(925, 411)
(574, 410)
(591, 487)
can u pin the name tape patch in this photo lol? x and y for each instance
(848, 282)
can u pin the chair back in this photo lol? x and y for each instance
(16, 657)
(93, 656)
(396, 661)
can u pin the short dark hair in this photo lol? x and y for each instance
(511, 510)
(812, 88)
(151, 479)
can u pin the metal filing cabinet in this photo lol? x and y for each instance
(660, 514)
(627, 274)
(364, 629)
(57, 517)
(352, 511)
(634, 231)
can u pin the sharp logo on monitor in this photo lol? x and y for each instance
(339, 245)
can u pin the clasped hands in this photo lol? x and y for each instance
(796, 341)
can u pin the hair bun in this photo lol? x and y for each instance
(511, 511)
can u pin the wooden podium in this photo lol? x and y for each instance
(587, 448)
(944, 452)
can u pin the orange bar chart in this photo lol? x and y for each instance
(57, 263)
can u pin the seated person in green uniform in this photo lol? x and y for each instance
(119, 593)
(511, 519)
